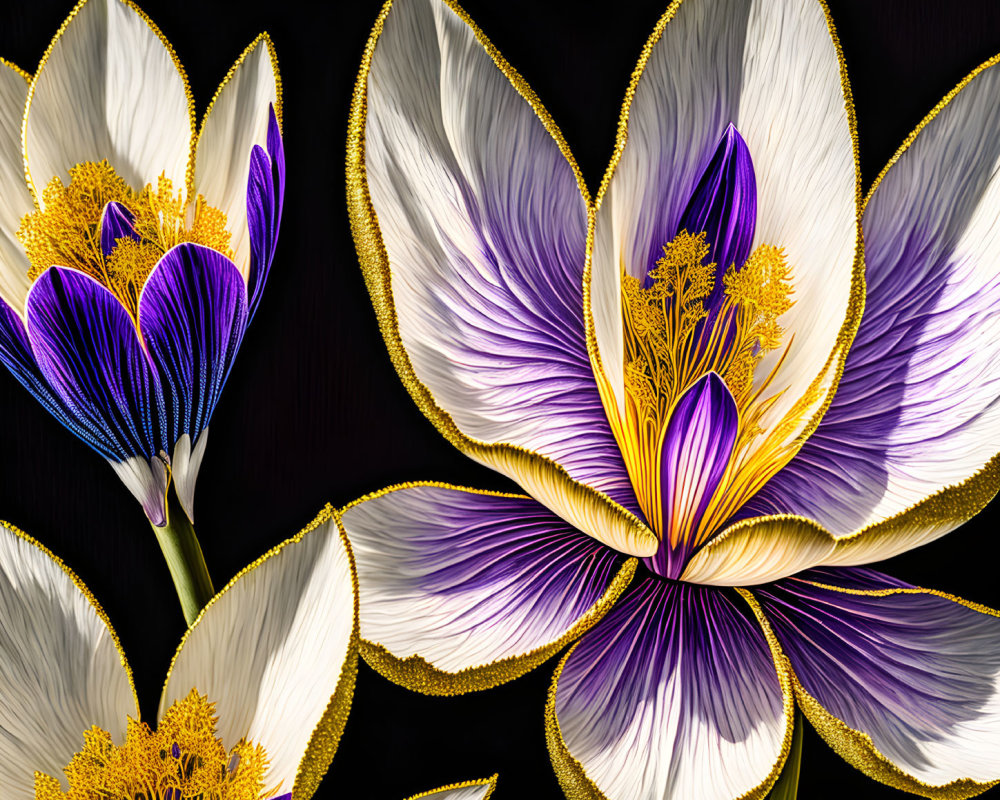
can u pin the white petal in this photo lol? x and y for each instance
(184, 467)
(147, 481)
(15, 200)
(235, 121)
(109, 87)
(908, 449)
(463, 590)
(61, 666)
(275, 650)
(467, 790)
(773, 70)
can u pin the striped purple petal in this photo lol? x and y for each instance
(696, 450)
(916, 671)
(464, 579)
(724, 207)
(265, 196)
(16, 355)
(673, 695)
(89, 353)
(116, 223)
(192, 313)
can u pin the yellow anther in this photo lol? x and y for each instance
(182, 758)
(671, 340)
(67, 233)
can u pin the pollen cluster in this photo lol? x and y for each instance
(181, 760)
(673, 336)
(66, 230)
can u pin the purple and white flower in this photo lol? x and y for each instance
(680, 371)
(133, 247)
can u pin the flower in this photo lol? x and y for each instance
(712, 439)
(255, 700)
(133, 250)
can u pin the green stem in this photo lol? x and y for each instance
(787, 787)
(185, 560)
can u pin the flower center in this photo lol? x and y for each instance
(100, 226)
(672, 340)
(181, 760)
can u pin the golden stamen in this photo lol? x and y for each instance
(183, 757)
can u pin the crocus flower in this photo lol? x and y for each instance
(133, 250)
(652, 367)
(255, 700)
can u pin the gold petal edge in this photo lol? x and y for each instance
(491, 782)
(572, 776)
(326, 735)
(278, 106)
(857, 748)
(939, 513)
(419, 675)
(375, 268)
(94, 603)
(22, 72)
(48, 52)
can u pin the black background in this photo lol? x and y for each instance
(313, 411)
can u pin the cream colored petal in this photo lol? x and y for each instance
(467, 790)
(15, 200)
(235, 121)
(760, 550)
(470, 224)
(276, 650)
(109, 87)
(62, 670)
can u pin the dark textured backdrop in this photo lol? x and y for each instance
(313, 411)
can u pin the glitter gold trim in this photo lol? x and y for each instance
(326, 735)
(588, 509)
(572, 775)
(273, 55)
(11, 65)
(48, 52)
(857, 748)
(491, 782)
(752, 551)
(418, 675)
(922, 522)
(98, 610)
(829, 375)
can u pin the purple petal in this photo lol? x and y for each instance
(917, 672)
(464, 579)
(265, 194)
(89, 353)
(673, 692)
(724, 206)
(696, 450)
(16, 355)
(192, 313)
(116, 223)
(485, 229)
